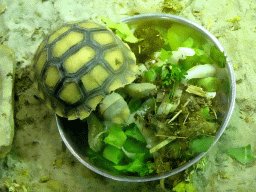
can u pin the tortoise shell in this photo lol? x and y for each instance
(78, 64)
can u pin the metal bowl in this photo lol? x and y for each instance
(74, 133)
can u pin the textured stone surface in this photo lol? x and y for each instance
(6, 99)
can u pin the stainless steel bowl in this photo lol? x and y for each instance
(74, 134)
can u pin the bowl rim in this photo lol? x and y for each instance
(232, 95)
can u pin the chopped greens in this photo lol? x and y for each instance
(234, 19)
(116, 136)
(243, 154)
(210, 84)
(167, 128)
(134, 132)
(127, 150)
(134, 146)
(173, 76)
(189, 42)
(122, 30)
(201, 145)
(175, 36)
(165, 55)
(134, 104)
(173, 40)
(113, 154)
(218, 57)
(184, 187)
(137, 166)
(205, 112)
(150, 75)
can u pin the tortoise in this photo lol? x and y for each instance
(80, 63)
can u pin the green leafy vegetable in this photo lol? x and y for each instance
(134, 146)
(165, 55)
(243, 154)
(199, 52)
(99, 161)
(134, 104)
(150, 75)
(173, 76)
(188, 43)
(111, 24)
(113, 154)
(116, 136)
(211, 84)
(123, 151)
(184, 187)
(134, 132)
(225, 86)
(165, 71)
(173, 40)
(190, 62)
(138, 165)
(218, 56)
(200, 57)
(234, 19)
(176, 35)
(177, 73)
(201, 145)
(121, 29)
(205, 112)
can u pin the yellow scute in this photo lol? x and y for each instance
(103, 38)
(84, 113)
(59, 111)
(115, 85)
(132, 56)
(52, 77)
(133, 68)
(100, 74)
(66, 43)
(57, 33)
(129, 78)
(79, 59)
(114, 58)
(73, 114)
(95, 101)
(70, 93)
(95, 78)
(41, 95)
(48, 103)
(41, 61)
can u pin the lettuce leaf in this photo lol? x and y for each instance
(121, 29)
(116, 136)
(243, 154)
